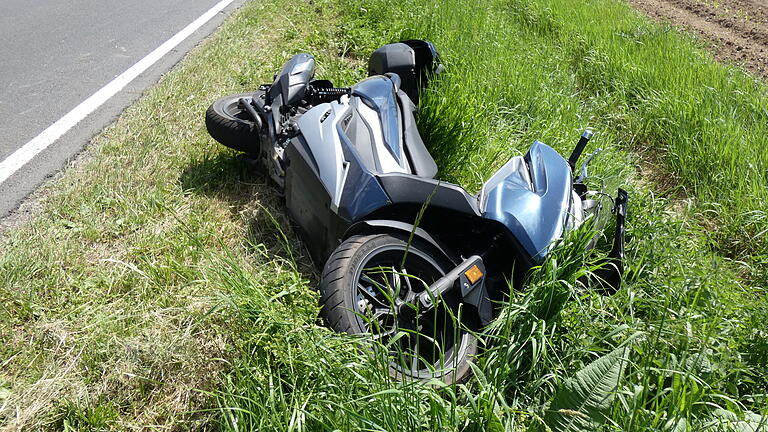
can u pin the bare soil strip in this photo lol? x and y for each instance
(738, 29)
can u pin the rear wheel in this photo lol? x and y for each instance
(229, 124)
(370, 285)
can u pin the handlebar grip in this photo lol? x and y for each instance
(576, 154)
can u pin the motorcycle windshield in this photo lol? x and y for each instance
(378, 93)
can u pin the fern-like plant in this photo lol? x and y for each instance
(583, 401)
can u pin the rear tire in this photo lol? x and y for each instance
(352, 302)
(230, 124)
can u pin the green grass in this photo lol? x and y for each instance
(159, 286)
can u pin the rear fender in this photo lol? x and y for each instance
(292, 82)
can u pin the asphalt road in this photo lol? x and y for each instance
(55, 54)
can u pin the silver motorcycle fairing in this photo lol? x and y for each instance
(533, 197)
(379, 108)
(319, 127)
(369, 123)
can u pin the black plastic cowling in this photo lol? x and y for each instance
(293, 80)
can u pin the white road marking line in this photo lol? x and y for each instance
(28, 151)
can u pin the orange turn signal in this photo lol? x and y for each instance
(473, 274)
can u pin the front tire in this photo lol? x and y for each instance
(369, 285)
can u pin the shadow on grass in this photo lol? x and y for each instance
(226, 176)
(252, 198)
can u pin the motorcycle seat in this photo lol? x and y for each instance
(422, 163)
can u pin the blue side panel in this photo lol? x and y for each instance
(378, 93)
(535, 212)
(362, 192)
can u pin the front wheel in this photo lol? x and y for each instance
(370, 285)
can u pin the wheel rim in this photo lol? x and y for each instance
(421, 344)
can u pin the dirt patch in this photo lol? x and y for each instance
(736, 29)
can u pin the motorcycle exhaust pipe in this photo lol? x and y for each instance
(246, 103)
(576, 154)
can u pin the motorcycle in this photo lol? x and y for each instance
(417, 263)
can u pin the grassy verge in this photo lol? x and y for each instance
(107, 297)
(157, 288)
